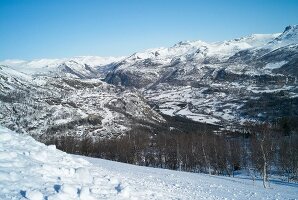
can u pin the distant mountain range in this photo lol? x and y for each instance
(225, 83)
(229, 82)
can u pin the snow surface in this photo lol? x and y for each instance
(46, 65)
(14, 74)
(197, 117)
(34, 171)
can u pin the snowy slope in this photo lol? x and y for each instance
(78, 67)
(34, 171)
(9, 72)
(288, 37)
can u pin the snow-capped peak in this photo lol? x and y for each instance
(288, 37)
(290, 33)
(291, 28)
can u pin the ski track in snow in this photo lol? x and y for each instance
(32, 170)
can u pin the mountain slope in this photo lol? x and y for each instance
(288, 37)
(34, 171)
(221, 83)
(48, 107)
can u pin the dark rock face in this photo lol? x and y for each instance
(127, 79)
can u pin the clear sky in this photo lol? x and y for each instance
(32, 29)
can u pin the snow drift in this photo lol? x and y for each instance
(32, 170)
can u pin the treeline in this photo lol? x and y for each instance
(261, 149)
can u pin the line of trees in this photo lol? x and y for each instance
(260, 149)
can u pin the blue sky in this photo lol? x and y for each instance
(32, 29)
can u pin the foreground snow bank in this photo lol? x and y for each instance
(31, 170)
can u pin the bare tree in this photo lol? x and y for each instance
(263, 149)
(206, 157)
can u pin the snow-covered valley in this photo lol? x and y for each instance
(227, 83)
(34, 171)
(69, 106)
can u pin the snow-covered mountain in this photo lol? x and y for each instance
(288, 37)
(76, 67)
(229, 82)
(31, 170)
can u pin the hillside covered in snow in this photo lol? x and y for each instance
(31, 170)
(54, 106)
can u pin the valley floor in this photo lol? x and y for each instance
(31, 170)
